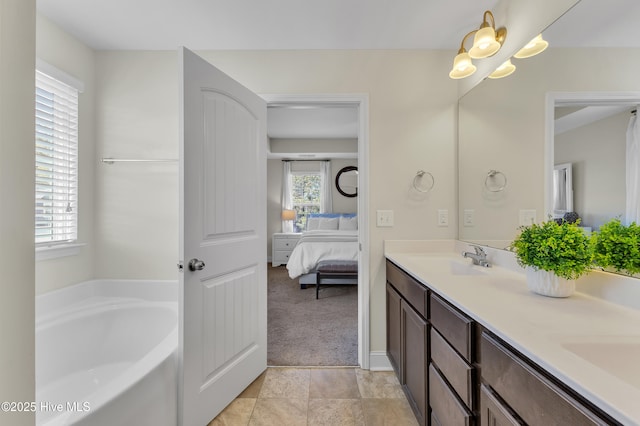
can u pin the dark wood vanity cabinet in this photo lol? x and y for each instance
(516, 391)
(407, 337)
(430, 345)
(455, 372)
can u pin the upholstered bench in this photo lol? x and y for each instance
(331, 269)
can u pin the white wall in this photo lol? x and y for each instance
(597, 152)
(137, 203)
(17, 285)
(412, 127)
(66, 53)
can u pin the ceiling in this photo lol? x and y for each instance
(306, 24)
(266, 24)
(569, 118)
(327, 24)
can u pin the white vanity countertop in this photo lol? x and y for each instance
(588, 343)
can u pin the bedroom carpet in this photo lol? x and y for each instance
(303, 331)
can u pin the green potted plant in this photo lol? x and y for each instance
(618, 247)
(554, 255)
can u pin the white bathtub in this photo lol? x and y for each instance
(106, 354)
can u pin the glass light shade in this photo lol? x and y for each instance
(462, 66)
(288, 214)
(535, 46)
(484, 43)
(507, 68)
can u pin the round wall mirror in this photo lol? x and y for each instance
(347, 181)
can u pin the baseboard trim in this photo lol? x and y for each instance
(378, 361)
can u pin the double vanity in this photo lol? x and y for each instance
(471, 345)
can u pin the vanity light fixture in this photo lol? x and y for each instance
(462, 65)
(487, 42)
(507, 68)
(535, 46)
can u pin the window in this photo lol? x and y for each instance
(56, 160)
(305, 197)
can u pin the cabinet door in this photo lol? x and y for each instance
(414, 356)
(493, 412)
(393, 330)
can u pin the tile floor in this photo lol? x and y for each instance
(320, 396)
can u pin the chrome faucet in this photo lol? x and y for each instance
(479, 257)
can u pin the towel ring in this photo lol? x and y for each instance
(418, 177)
(493, 174)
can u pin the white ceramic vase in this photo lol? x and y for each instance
(549, 284)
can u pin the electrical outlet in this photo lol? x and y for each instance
(527, 217)
(384, 218)
(468, 219)
(443, 217)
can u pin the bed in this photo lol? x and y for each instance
(330, 238)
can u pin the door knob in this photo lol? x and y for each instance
(196, 265)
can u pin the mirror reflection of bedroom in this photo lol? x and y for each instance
(312, 225)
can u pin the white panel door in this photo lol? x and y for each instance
(223, 289)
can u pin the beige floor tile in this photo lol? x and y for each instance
(332, 412)
(253, 390)
(238, 413)
(388, 412)
(285, 383)
(378, 384)
(335, 383)
(279, 411)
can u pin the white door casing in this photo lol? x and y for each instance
(223, 307)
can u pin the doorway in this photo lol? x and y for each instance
(360, 103)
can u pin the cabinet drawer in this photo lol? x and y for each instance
(281, 256)
(411, 290)
(445, 405)
(453, 325)
(453, 367)
(284, 243)
(535, 399)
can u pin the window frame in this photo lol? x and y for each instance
(69, 245)
(296, 228)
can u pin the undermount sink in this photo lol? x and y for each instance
(449, 264)
(465, 268)
(617, 355)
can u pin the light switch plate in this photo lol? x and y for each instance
(527, 217)
(443, 217)
(384, 218)
(468, 219)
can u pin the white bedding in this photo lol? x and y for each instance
(318, 245)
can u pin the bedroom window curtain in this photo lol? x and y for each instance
(633, 170)
(287, 203)
(326, 195)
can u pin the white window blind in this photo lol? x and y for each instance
(56, 155)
